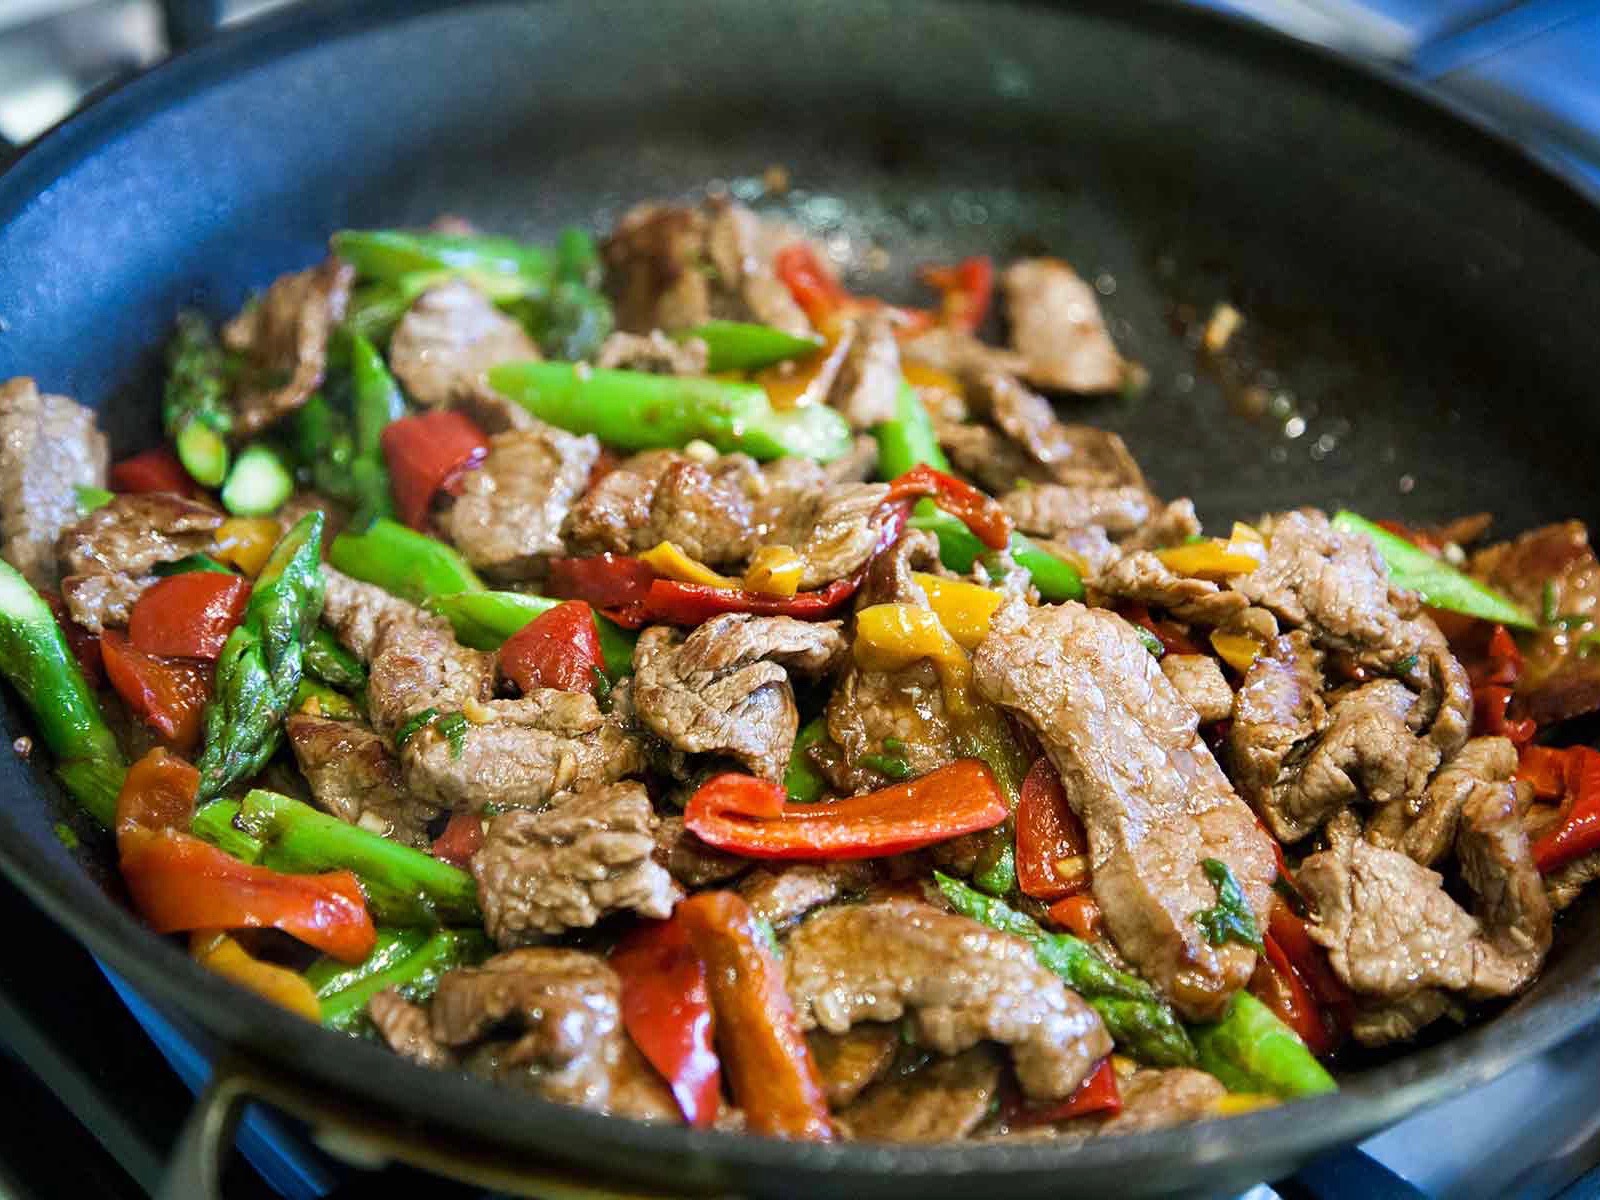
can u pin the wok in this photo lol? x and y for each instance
(1420, 293)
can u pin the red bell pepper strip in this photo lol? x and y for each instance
(153, 470)
(666, 1010)
(1079, 915)
(606, 581)
(1310, 963)
(85, 646)
(1494, 679)
(1098, 1093)
(1579, 831)
(167, 694)
(751, 817)
(1048, 833)
(1279, 986)
(461, 839)
(426, 453)
(965, 290)
(188, 616)
(180, 883)
(769, 1065)
(1173, 638)
(674, 603)
(980, 512)
(557, 649)
(826, 302)
(1544, 768)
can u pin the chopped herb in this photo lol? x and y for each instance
(768, 935)
(602, 689)
(1151, 642)
(894, 768)
(90, 498)
(1405, 665)
(494, 810)
(893, 745)
(1547, 604)
(454, 727)
(414, 724)
(1194, 539)
(1231, 920)
(65, 836)
(1290, 895)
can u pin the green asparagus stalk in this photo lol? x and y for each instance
(36, 661)
(741, 346)
(262, 661)
(258, 484)
(1250, 1050)
(502, 268)
(410, 564)
(328, 976)
(331, 663)
(484, 620)
(1139, 1020)
(375, 402)
(194, 407)
(333, 704)
(414, 975)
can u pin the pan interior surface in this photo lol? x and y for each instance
(1418, 307)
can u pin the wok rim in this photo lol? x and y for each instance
(366, 1074)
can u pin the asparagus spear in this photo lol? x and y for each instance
(410, 564)
(35, 660)
(261, 663)
(502, 268)
(415, 975)
(194, 407)
(376, 400)
(1250, 1050)
(1140, 1021)
(740, 346)
(330, 662)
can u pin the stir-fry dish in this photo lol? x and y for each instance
(655, 676)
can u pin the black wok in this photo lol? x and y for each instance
(1425, 292)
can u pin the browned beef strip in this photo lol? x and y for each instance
(724, 689)
(663, 496)
(1200, 682)
(415, 664)
(353, 774)
(955, 350)
(1172, 524)
(869, 706)
(405, 1029)
(99, 601)
(1379, 1022)
(334, 515)
(562, 1007)
(781, 895)
(858, 466)
(653, 268)
(1057, 327)
(1277, 711)
(689, 860)
(834, 528)
(1157, 1099)
(941, 1101)
(1076, 455)
(849, 1063)
(868, 382)
(654, 352)
(1054, 509)
(1497, 864)
(588, 855)
(1423, 827)
(449, 337)
(960, 982)
(1139, 577)
(125, 540)
(741, 247)
(49, 446)
(1137, 773)
(284, 337)
(508, 517)
(1566, 883)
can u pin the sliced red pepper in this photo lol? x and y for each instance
(1489, 705)
(1288, 932)
(965, 290)
(606, 581)
(1501, 663)
(427, 452)
(158, 793)
(1098, 1093)
(1079, 915)
(979, 511)
(1579, 831)
(825, 300)
(770, 1069)
(750, 816)
(1279, 986)
(559, 648)
(85, 646)
(666, 1010)
(1544, 768)
(153, 470)
(678, 603)
(1048, 833)
(189, 615)
(167, 694)
(461, 839)
(1173, 637)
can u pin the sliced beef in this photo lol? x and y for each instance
(960, 982)
(449, 337)
(689, 860)
(353, 774)
(868, 382)
(1277, 712)
(859, 465)
(1497, 864)
(284, 338)
(1172, 524)
(654, 352)
(870, 707)
(1057, 327)
(724, 689)
(1156, 1099)
(833, 528)
(125, 540)
(561, 1010)
(1056, 509)
(1139, 577)
(588, 855)
(663, 496)
(1566, 883)
(49, 446)
(955, 350)
(507, 519)
(334, 515)
(1379, 1022)
(742, 247)
(405, 1028)
(1200, 682)
(849, 1063)
(1424, 826)
(1151, 797)
(781, 895)
(941, 1101)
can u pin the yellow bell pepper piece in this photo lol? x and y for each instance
(1246, 533)
(774, 571)
(919, 376)
(1213, 558)
(220, 953)
(802, 380)
(1238, 650)
(1239, 1103)
(963, 608)
(892, 636)
(246, 542)
(670, 562)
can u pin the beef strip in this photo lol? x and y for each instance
(663, 496)
(781, 895)
(1056, 509)
(1497, 864)
(1566, 883)
(1139, 577)
(508, 517)
(1200, 682)
(1153, 1098)
(858, 466)
(562, 1007)
(1151, 797)
(1379, 1022)
(960, 982)
(449, 337)
(1057, 327)
(1170, 525)
(868, 382)
(404, 1027)
(689, 860)
(946, 348)
(284, 338)
(834, 528)
(1423, 827)
(742, 247)
(353, 774)
(49, 446)
(654, 352)
(123, 541)
(849, 1063)
(868, 707)
(724, 689)
(941, 1101)
(587, 855)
